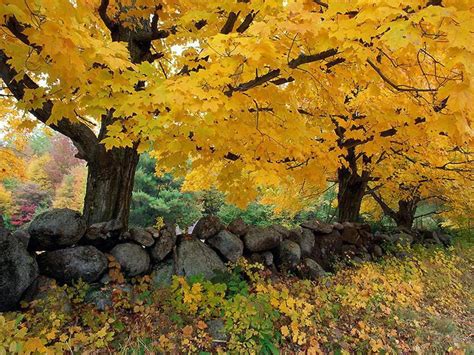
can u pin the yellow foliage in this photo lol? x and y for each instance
(6, 205)
(256, 102)
(71, 192)
(36, 173)
(11, 166)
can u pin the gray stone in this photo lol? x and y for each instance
(310, 269)
(23, 236)
(382, 237)
(262, 239)
(404, 239)
(101, 298)
(71, 264)
(44, 294)
(349, 250)
(238, 227)
(155, 233)
(347, 224)
(266, 258)
(365, 256)
(377, 250)
(101, 235)
(162, 274)
(338, 226)
(133, 259)
(216, 329)
(318, 227)
(196, 258)
(326, 248)
(446, 239)
(207, 227)
(289, 253)
(285, 232)
(56, 229)
(351, 235)
(305, 239)
(164, 243)
(228, 245)
(142, 237)
(18, 270)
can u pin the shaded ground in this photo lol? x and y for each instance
(421, 303)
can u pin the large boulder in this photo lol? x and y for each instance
(305, 239)
(196, 258)
(164, 244)
(162, 274)
(327, 248)
(351, 235)
(284, 232)
(228, 245)
(207, 227)
(56, 229)
(262, 239)
(142, 237)
(23, 236)
(310, 269)
(238, 227)
(133, 259)
(289, 253)
(18, 270)
(71, 264)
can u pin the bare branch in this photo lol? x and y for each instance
(396, 86)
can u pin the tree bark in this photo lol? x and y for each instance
(352, 189)
(406, 213)
(405, 216)
(109, 185)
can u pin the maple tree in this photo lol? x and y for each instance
(282, 94)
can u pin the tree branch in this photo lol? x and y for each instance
(103, 15)
(397, 87)
(229, 24)
(309, 58)
(81, 135)
(247, 21)
(259, 80)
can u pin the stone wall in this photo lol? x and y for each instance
(58, 245)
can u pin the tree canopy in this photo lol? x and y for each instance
(245, 94)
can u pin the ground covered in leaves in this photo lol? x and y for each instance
(420, 301)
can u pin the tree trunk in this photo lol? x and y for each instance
(406, 213)
(352, 189)
(109, 185)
